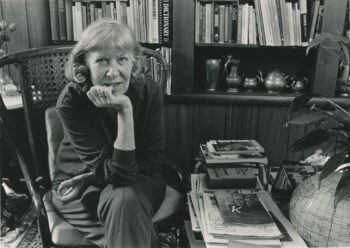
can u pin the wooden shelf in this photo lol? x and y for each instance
(246, 98)
(215, 45)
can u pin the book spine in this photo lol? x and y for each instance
(245, 23)
(235, 6)
(285, 25)
(229, 23)
(290, 22)
(83, 13)
(216, 22)
(69, 20)
(221, 23)
(88, 15)
(303, 22)
(280, 21)
(259, 23)
(79, 19)
(314, 18)
(55, 32)
(197, 22)
(92, 12)
(239, 24)
(62, 19)
(104, 9)
(74, 19)
(160, 22)
(167, 20)
(226, 24)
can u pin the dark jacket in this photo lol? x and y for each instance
(90, 132)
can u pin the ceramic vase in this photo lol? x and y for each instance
(212, 67)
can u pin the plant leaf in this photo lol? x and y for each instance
(306, 119)
(336, 51)
(312, 139)
(301, 101)
(331, 165)
(343, 188)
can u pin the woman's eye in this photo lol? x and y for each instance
(101, 61)
(123, 60)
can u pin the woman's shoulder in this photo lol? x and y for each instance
(70, 94)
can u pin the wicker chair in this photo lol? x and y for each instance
(42, 78)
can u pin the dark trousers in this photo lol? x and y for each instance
(117, 216)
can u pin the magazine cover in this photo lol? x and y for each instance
(234, 146)
(245, 209)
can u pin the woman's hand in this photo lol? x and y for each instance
(102, 96)
(73, 188)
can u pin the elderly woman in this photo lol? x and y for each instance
(108, 181)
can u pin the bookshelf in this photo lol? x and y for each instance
(191, 50)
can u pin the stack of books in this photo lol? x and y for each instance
(237, 218)
(233, 163)
(232, 151)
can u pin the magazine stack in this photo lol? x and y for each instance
(236, 218)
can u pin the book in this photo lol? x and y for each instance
(216, 27)
(316, 5)
(289, 176)
(210, 157)
(69, 20)
(55, 31)
(62, 19)
(234, 146)
(239, 177)
(234, 16)
(303, 22)
(242, 209)
(167, 20)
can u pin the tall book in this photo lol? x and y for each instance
(316, 5)
(222, 23)
(290, 22)
(226, 20)
(245, 23)
(280, 20)
(55, 32)
(303, 22)
(261, 35)
(167, 20)
(216, 27)
(285, 24)
(69, 20)
(62, 19)
(234, 15)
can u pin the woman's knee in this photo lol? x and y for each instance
(117, 198)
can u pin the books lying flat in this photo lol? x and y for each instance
(231, 178)
(234, 146)
(242, 209)
(210, 157)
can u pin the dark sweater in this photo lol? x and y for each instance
(90, 132)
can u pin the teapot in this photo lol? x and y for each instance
(251, 83)
(275, 81)
(298, 85)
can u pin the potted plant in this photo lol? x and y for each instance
(320, 205)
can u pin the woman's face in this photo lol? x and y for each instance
(110, 67)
